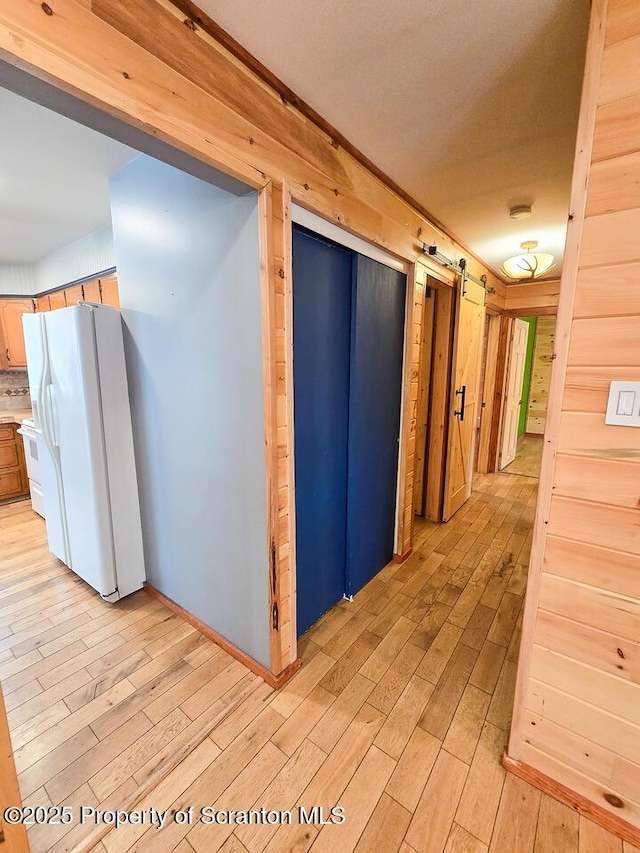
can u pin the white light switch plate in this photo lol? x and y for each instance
(623, 407)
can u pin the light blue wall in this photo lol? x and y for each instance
(188, 270)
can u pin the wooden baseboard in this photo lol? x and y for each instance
(400, 558)
(273, 680)
(611, 822)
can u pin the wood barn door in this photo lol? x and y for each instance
(464, 403)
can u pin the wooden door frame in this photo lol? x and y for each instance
(274, 208)
(490, 425)
(489, 400)
(505, 379)
(420, 475)
(15, 835)
(440, 388)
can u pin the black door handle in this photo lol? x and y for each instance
(463, 393)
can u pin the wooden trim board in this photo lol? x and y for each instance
(269, 382)
(15, 835)
(401, 558)
(612, 823)
(498, 393)
(425, 346)
(584, 144)
(408, 409)
(275, 681)
(489, 399)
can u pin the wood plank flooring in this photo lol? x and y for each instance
(400, 713)
(528, 456)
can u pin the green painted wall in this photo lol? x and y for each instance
(526, 381)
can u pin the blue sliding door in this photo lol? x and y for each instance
(377, 346)
(348, 340)
(321, 343)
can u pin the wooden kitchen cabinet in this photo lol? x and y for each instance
(92, 290)
(74, 294)
(109, 291)
(13, 352)
(57, 299)
(14, 482)
(103, 290)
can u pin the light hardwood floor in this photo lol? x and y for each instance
(528, 456)
(400, 713)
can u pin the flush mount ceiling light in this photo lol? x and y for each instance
(520, 211)
(530, 265)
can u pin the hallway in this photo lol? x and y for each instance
(399, 715)
(528, 456)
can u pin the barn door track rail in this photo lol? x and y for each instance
(459, 268)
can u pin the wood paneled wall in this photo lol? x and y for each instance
(541, 375)
(577, 713)
(533, 298)
(144, 62)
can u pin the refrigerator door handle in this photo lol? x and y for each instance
(45, 401)
(51, 415)
(35, 405)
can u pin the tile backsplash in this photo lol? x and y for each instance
(14, 390)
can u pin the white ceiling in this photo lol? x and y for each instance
(470, 107)
(54, 179)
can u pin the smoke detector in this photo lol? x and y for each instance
(520, 211)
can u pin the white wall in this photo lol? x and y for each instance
(188, 274)
(81, 259)
(17, 280)
(88, 256)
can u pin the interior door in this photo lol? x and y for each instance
(513, 397)
(377, 347)
(321, 340)
(464, 401)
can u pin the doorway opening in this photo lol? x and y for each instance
(528, 376)
(432, 405)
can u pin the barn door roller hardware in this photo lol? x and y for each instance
(460, 268)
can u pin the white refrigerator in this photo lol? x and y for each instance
(82, 417)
